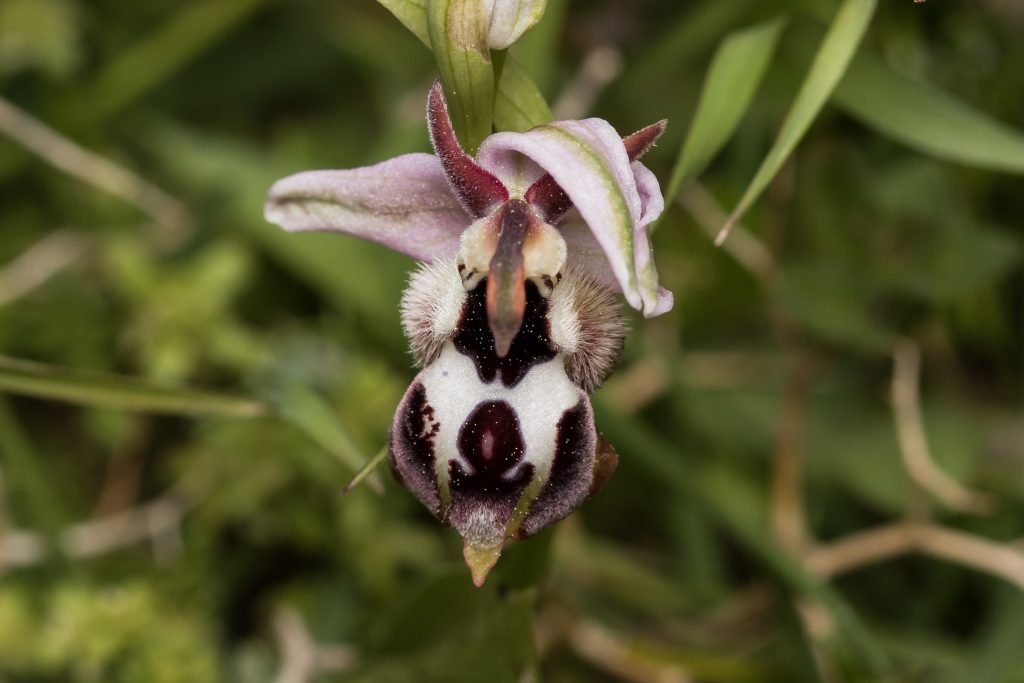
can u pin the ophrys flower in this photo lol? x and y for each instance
(512, 317)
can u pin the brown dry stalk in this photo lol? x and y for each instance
(892, 540)
(917, 458)
(787, 501)
(157, 521)
(302, 659)
(41, 261)
(608, 652)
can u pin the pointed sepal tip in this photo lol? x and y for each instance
(480, 561)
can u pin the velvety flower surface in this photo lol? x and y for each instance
(512, 317)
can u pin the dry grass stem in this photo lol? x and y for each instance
(302, 660)
(893, 540)
(608, 652)
(787, 501)
(917, 459)
(158, 521)
(40, 262)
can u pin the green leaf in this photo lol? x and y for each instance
(519, 105)
(927, 119)
(735, 74)
(821, 298)
(308, 411)
(26, 475)
(458, 37)
(119, 393)
(997, 655)
(39, 33)
(693, 32)
(449, 631)
(834, 54)
(364, 472)
(142, 66)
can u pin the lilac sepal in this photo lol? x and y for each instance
(403, 203)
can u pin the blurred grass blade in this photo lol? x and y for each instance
(144, 65)
(689, 35)
(309, 412)
(118, 393)
(996, 654)
(830, 63)
(927, 119)
(23, 471)
(734, 76)
(242, 173)
(365, 471)
(519, 105)
(458, 37)
(799, 647)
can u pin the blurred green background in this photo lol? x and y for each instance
(865, 321)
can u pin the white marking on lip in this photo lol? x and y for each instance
(454, 390)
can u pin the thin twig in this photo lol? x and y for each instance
(787, 500)
(301, 658)
(124, 470)
(892, 540)
(41, 261)
(917, 459)
(819, 627)
(608, 652)
(156, 521)
(96, 170)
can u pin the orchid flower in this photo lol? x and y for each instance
(512, 317)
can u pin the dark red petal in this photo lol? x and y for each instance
(551, 200)
(640, 142)
(478, 190)
(549, 197)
